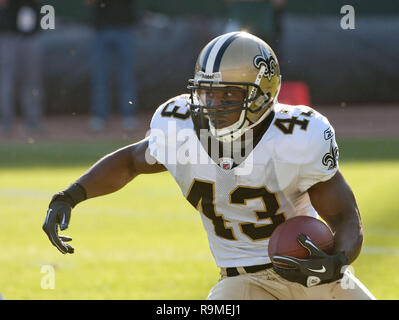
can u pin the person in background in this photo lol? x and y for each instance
(20, 55)
(113, 22)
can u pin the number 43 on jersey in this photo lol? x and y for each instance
(202, 193)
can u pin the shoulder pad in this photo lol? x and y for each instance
(302, 132)
(289, 110)
(176, 107)
(174, 110)
(170, 124)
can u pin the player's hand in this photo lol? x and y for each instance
(317, 269)
(58, 214)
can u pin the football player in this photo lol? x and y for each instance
(247, 163)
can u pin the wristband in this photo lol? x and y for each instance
(74, 194)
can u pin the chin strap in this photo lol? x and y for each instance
(232, 129)
(231, 136)
(234, 135)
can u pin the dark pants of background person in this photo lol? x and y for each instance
(20, 59)
(117, 43)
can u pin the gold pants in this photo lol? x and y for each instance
(268, 285)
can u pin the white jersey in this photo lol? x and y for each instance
(241, 206)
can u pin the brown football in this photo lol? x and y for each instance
(284, 238)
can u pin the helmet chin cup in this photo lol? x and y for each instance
(235, 133)
(229, 138)
(232, 132)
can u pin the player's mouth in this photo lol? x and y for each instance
(220, 122)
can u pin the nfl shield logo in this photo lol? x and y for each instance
(226, 163)
(312, 281)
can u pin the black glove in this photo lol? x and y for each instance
(317, 269)
(59, 213)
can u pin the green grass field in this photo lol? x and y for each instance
(145, 241)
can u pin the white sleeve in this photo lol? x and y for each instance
(164, 128)
(322, 160)
(160, 132)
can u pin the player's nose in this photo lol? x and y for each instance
(215, 98)
(213, 101)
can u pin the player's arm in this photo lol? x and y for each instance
(116, 169)
(335, 203)
(107, 175)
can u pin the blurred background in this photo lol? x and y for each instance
(338, 66)
(81, 78)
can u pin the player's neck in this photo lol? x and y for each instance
(248, 142)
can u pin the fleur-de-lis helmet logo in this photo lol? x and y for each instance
(266, 59)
